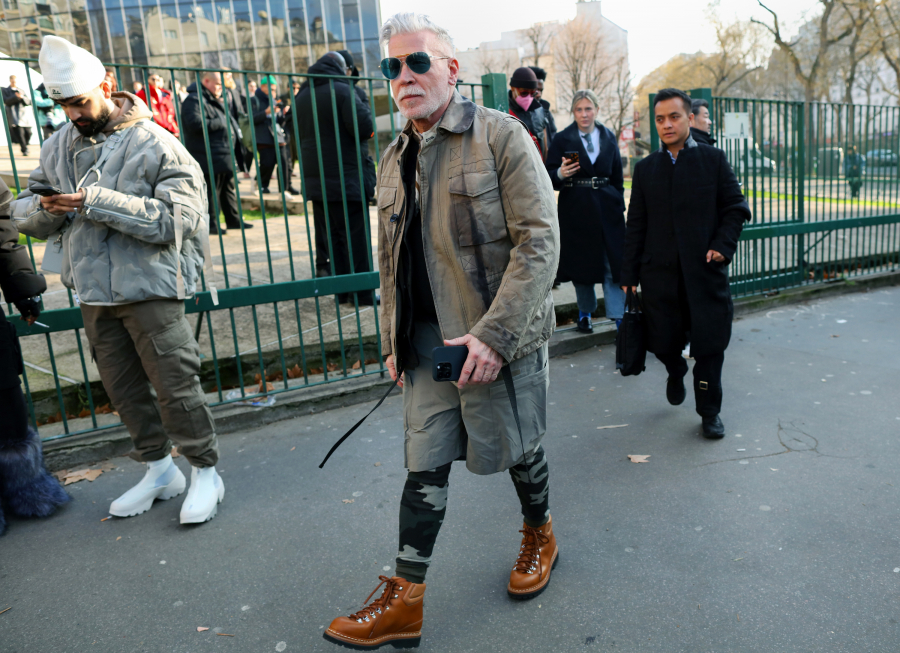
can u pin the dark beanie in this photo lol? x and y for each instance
(523, 78)
(348, 58)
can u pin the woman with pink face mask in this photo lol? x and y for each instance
(524, 106)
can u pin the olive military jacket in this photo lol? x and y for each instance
(489, 225)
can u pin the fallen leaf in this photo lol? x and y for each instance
(295, 372)
(333, 367)
(637, 459)
(347, 500)
(292, 448)
(200, 629)
(371, 361)
(92, 474)
(118, 538)
(315, 370)
(268, 388)
(378, 464)
(611, 426)
(357, 365)
(79, 472)
(103, 410)
(85, 413)
(61, 474)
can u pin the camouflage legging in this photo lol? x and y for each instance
(424, 503)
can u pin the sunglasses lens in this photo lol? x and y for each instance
(390, 67)
(419, 62)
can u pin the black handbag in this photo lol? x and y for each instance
(631, 340)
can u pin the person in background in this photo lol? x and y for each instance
(180, 92)
(237, 106)
(133, 226)
(19, 114)
(524, 106)
(264, 103)
(854, 168)
(111, 80)
(26, 488)
(550, 122)
(369, 168)
(160, 104)
(50, 115)
(701, 127)
(591, 209)
(324, 186)
(222, 135)
(137, 87)
(678, 245)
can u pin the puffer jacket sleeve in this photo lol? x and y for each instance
(178, 180)
(533, 227)
(26, 210)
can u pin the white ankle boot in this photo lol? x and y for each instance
(163, 480)
(204, 497)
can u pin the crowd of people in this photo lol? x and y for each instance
(471, 239)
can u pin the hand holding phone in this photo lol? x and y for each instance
(44, 190)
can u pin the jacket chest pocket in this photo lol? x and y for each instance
(387, 198)
(476, 208)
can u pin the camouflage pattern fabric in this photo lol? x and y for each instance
(424, 504)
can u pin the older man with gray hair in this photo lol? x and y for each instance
(468, 247)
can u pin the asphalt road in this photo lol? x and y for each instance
(782, 537)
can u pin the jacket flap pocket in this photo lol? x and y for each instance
(474, 184)
(172, 338)
(386, 196)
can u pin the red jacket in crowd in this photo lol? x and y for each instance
(163, 108)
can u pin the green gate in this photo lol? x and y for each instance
(817, 217)
(279, 325)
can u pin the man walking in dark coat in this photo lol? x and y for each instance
(222, 136)
(339, 172)
(701, 127)
(18, 114)
(267, 138)
(549, 120)
(684, 221)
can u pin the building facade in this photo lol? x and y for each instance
(271, 35)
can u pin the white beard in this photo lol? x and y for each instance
(431, 103)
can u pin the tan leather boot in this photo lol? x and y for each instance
(538, 556)
(394, 617)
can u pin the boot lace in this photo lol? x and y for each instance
(529, 559)
(379, 605)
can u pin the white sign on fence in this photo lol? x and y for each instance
(737, 125)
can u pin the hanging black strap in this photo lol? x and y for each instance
(357, 425)
(511, 392)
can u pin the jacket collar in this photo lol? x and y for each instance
(458, 117)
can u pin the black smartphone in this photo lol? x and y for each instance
(448, 362)
(44, 191)
(571, 156)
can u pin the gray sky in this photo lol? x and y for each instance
(657, 29)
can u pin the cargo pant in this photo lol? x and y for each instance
(149, 363)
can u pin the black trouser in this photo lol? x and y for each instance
(424, 503)
(13, 410)
(707, 379)
(223, 185)
(267, 162)
(357, 214)
(22, 136)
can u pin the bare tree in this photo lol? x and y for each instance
(617, 106)
(862, 43)
(887, 24)
(582, 56)
(808, 59)
(539, 36)
(740, 51)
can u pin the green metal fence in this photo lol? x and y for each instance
(819, 213)
(279, 325)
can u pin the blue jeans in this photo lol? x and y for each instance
(613, 295)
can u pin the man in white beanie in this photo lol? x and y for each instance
(129, 234)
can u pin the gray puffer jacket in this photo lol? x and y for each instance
(127, 243)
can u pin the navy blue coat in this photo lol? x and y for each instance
(678, 212)
(589, 220)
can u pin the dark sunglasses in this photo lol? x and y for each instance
(418, 62)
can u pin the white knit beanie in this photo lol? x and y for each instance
(69, 71)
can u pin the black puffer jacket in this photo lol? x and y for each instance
(221, 141)
(345, 97)
(535, 119)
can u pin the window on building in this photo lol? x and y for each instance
(171, 34)
(204, 39)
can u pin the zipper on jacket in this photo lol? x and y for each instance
(89, 208)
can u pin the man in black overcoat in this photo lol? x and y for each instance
(701, 127)
(684, 221)
(324, 185)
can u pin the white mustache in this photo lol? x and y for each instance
(408, 91)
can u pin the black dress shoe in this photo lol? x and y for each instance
(675, 391)
(293, 191)
(215, 228)
(245, 225)
(584, 324)
(713, 429)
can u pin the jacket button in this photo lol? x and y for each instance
(395, 217)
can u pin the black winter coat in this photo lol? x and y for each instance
(702, 137)
(221, 141)
(677, 213)
(589, 220)
(259, 102)
(535, 120)
(345, 96)
(549, 122)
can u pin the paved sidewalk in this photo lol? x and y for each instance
(783, 539)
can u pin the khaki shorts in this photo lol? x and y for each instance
(476, 424)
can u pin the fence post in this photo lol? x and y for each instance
(494, 92)
(651, 118)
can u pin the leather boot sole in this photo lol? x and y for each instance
(397, 640)
(531, 592)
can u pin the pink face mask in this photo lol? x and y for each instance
(524, 101)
